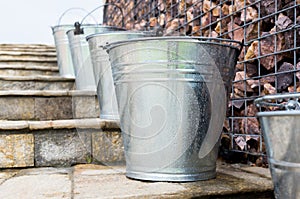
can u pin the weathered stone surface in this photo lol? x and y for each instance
(14, 108)
(54, 85)
(110, 182)
(115, 185)
(98, 181)
(27, 47)
(22, 71)
(258, 170)
(86, 123)
(23, 57)
(47, 105)
(35, 83)
(6, 175)
(28, 63)
(107, 148)
(37, 186)
(61, 147)
(16, 85)
(13, 125)
(85, 106)
(16, 150)
(44, 171)
(53, 108)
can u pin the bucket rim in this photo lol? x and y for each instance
(113, 28)
(278, 113)
(206, 40)
(59, 27)
(115, 32)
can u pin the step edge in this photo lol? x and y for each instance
(48, 93)
(91, 123)
(48, 78)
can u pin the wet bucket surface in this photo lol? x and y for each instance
(81, 57)
(102, 70)
(171, 98)
(281, 130)
(64, 58)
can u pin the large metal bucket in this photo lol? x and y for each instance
(81, 56)
(102, 70)
(63, 53)
(171, 94)
(281, 131)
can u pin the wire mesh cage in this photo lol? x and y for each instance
(268, 64)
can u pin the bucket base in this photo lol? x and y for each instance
(166, 177)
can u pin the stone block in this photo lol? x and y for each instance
(47, 108)
(107, 147)
(60, 85)
(16, 108)
(85, 106)
(41, 185)
(16, 150)
(105, 185)
(61, 147)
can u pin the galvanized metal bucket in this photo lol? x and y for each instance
(80, 50)
(64, 58)
(102, 70)
(171, 94)
(281, 131)
(81, 54)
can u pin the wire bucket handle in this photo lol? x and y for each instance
(79, 30)
(277, 101)
(67, 11)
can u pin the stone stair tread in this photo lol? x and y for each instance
(27, 58)
(14, 82)
(28, 67)
(27, 53)
(109, 181)
(36, 78)
(29, 47)
(95, 123)
(47, 93)
(17, 62)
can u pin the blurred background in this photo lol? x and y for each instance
(30, 21)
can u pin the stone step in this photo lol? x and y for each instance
(98, 181)
(27, 52)
(31, 53)
(48, 105)
(27, 47)
(27, 57)
(59, 143)
(36, 83)
(28, 63)
(27, 70)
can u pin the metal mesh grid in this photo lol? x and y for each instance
(268, 64)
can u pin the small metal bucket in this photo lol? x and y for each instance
(80, 50)
(171, 94)
(102, 70)
(281, 131)
(63, 53)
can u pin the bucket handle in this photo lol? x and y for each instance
(107, 4)
(78, 30)
(70, 9)
(268, 100)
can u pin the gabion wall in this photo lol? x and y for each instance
(268, 64)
